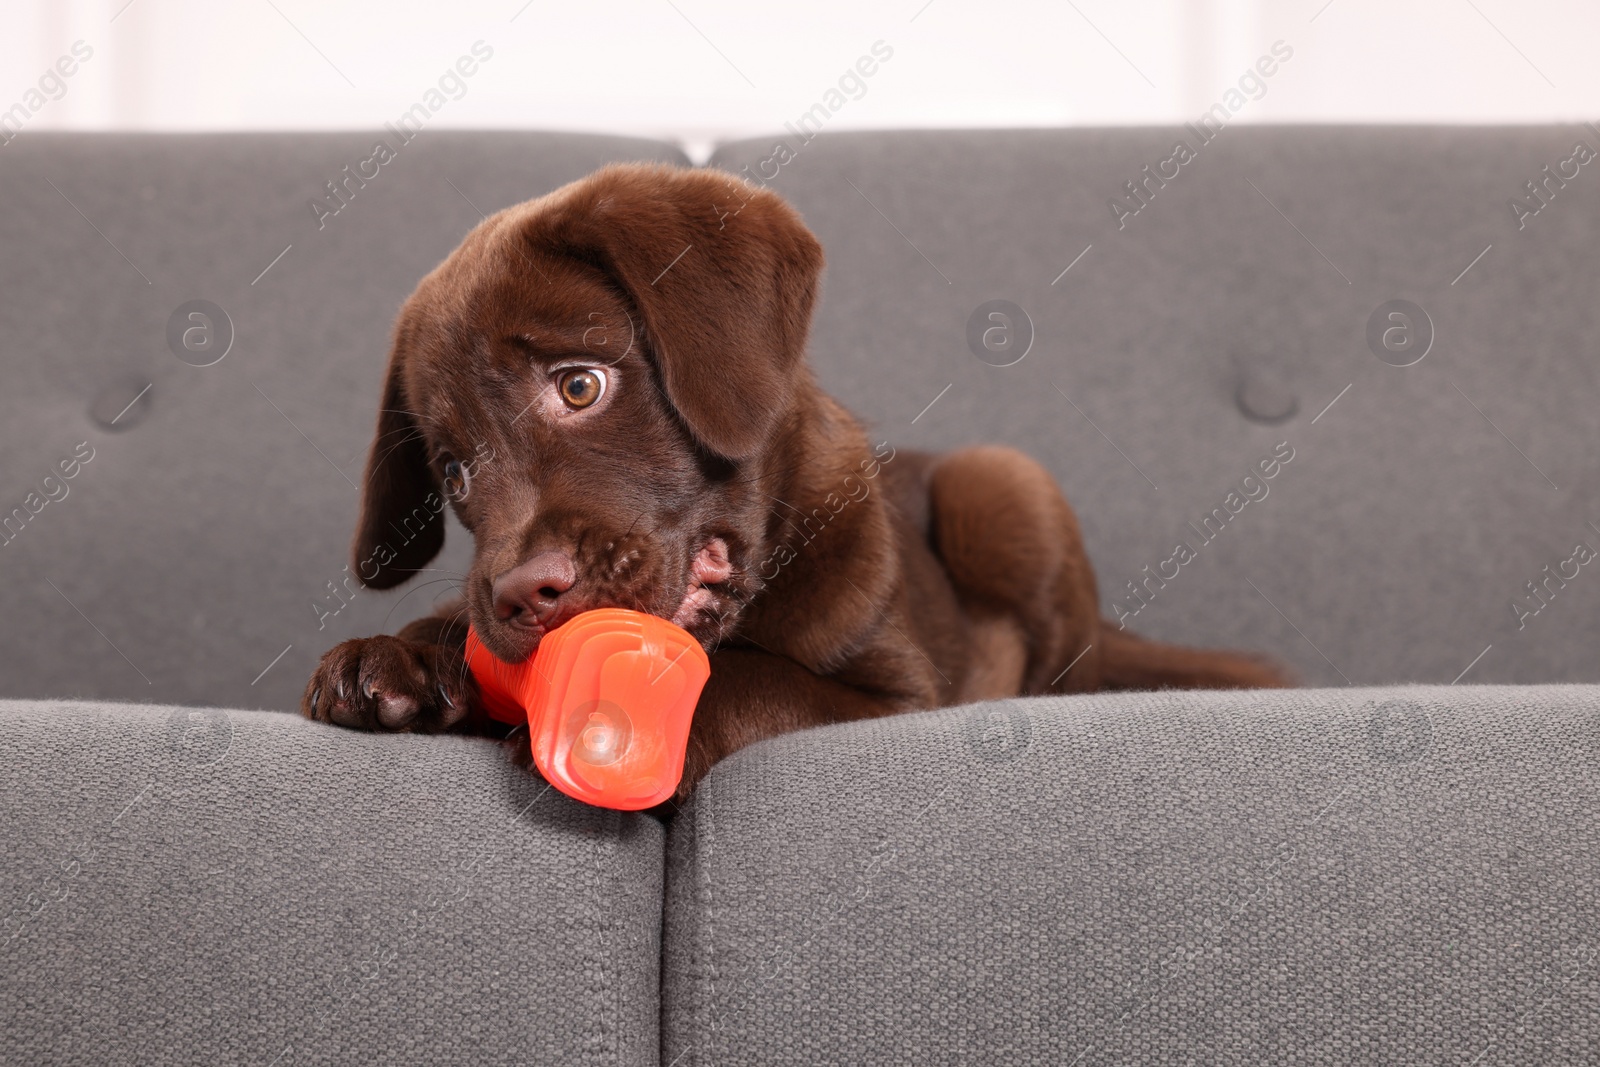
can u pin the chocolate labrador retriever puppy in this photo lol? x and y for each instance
(608, 386)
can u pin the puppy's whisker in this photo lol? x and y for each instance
(635, 522)
(787, 522)
(412, 414)
(450, 623)
(412, 434)
(419, 586)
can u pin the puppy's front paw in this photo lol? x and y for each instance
(389, 684)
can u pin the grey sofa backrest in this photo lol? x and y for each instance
(210, 508)
(206, 535)
(1185, 335)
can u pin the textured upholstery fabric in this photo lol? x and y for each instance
(1398, 537)
(1323, 876)
(215, 513)
(197, 886)
(1402, 875)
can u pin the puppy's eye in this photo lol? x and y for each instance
(580, 388)
(456, 479)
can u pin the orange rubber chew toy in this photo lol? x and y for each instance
(608, 698)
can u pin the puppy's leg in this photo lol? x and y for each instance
(1013, 548)
(754, 695)
(416, 680)
(1129, 661)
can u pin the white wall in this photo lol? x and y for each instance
(698, 70)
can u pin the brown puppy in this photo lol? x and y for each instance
(609, 387)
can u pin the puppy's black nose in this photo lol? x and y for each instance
(530, 593)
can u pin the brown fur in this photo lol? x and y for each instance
(863, 582)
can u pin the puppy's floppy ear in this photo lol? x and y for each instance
(401, 526)
(724, 274)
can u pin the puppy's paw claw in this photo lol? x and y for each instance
(388, 684)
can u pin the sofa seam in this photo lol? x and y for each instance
(713, 927)
(702, 848)
(604, 990)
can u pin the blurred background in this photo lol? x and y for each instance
(697, 71)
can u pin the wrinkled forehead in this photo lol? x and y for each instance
(499, 306)
(499, 284)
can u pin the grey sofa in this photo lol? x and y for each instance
(1394, 864)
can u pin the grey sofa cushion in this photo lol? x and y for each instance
(202, 535)
(195, 886)
(1392, 547)
(1400, 875)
